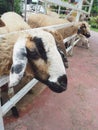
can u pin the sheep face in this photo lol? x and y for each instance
(40, 51)
(84, 30)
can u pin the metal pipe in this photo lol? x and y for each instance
(25, 10)
(12, 102)
(1, 119)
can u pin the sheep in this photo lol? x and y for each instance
(73, 15)
(83, 28)
(34, 53)
(41, 20)
(13, 22)
(44, 53)
(7, 18)
(43, 71)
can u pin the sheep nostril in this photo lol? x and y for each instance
(88, 35)
(62, 84)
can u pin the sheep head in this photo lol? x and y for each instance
(84, 29)
(40, 52)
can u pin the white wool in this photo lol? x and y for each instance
(3, 30)
(14, 22)
(19, 45)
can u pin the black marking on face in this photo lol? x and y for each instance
(87, 35)
(58, 87)
(83, 30)
(17, 68)
(40, 47)
(32, 54)
(63, 81)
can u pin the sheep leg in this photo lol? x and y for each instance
(71, 51)
(14, 109)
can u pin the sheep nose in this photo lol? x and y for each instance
(63, 82)
(63, 85)
(88, 35)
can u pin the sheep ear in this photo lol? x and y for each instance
(19, 62)
(29, 43)
(2, 23)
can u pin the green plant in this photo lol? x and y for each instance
(94, 10)
(94, 22)
(10, 5)
(17, 6)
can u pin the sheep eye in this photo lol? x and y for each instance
(83, 26)
(17, 68)
(32, 54)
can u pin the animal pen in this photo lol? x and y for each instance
(4, 79)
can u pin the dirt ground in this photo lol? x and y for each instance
(75, 109)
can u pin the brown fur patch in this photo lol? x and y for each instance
(30, 44)
(2, 23)
(41, 68)
(68, 31)
(29, 71)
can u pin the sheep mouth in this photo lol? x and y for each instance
(60, 85)
(87, 35)
(57, 88)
